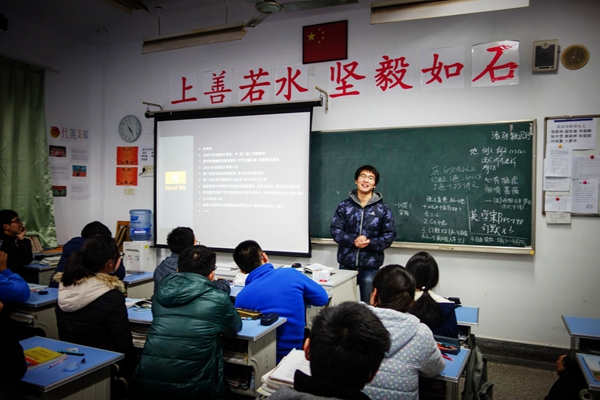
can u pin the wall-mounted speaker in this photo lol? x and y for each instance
(545, 55)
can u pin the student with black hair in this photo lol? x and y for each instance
(13, 241)
(284, 291)
(433, 310)
(178, 240)
(91, 305)
(346, 346)
(182, 357)
(94, 228)
(413, 351)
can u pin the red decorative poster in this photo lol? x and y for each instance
(325, 42)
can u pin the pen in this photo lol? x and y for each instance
(56, 363)
(447, 358)
(70, 352)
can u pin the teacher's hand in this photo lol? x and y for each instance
(361, 242)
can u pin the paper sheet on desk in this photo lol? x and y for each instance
(317, 267)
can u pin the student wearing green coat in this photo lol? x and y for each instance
(182, 357)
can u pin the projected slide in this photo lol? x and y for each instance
(235, 178)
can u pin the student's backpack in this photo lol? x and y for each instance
(477, 386)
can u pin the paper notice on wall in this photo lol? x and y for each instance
(80, 191)
(556, 217)
(558, 203)
(580, 133)
(586, 167)
(59, 169)
(79, 155)
(558, 160)
(585, 196)
(557, 184)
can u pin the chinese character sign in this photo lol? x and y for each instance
(184, 90)
(254, 85)
(394, 72)
(495, 63)
(580, 133)
(217, 87)
(443, 68)
(291, 83)
(347, 78)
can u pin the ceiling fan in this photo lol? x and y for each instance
(269, 7)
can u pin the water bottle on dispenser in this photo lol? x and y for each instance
(140, 225)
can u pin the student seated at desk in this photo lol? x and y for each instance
(91, 305)
(13, 365)
(13, 241)
(345, 348)
(13, 288)
(182, 357)
(94, 228)
(413, 349)
(284, 291)
(433, 310)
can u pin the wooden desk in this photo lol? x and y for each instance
(593, 384)
(139, 286)
(39, 312)
(452, 372)
(582, 328)
(89, 381)
(261, 354)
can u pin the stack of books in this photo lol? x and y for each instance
(283, 373)
(51, 261)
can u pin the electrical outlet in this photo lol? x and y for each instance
(312, 70)
(129, 191)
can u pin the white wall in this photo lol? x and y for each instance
(521, 298)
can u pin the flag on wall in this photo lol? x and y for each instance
(325, 42)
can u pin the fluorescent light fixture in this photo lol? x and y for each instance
(405, 10)
(195, 37)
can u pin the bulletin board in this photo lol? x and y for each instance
(580, 134)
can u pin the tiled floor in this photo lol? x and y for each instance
(519, 383)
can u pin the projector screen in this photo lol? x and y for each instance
(235, 174)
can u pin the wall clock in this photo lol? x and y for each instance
(575, 56)
(130, 128)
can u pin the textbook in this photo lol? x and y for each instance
(38, 356)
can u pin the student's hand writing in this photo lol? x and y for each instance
(560, 367)
(3, 260)
(361, 242)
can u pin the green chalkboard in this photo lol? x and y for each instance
(462, 186)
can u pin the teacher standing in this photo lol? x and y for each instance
(363, 226)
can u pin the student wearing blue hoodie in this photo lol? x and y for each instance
(284, 291)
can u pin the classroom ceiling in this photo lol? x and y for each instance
(96, 22)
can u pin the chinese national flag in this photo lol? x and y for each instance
(325, 42)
